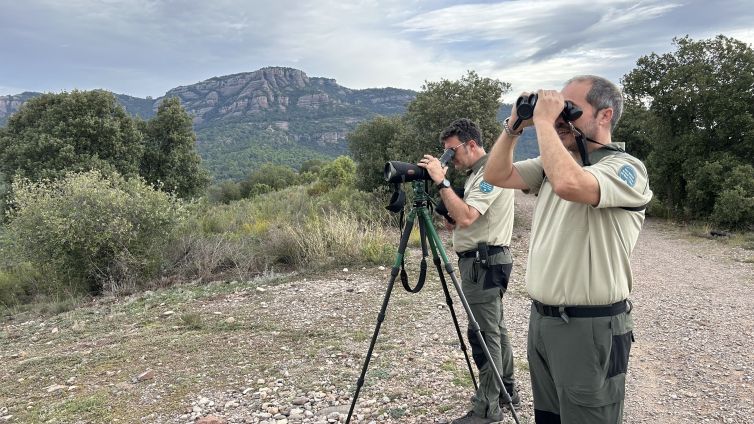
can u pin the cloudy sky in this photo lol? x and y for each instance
(146, 47)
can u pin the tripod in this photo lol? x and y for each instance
(427, 233)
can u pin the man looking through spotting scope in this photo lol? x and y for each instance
(587, 218)
(483, 224)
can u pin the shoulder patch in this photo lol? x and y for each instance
(627, 173)
(485, 187)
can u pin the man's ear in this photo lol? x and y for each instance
(606, 116)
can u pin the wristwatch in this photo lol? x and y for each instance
(443, 184)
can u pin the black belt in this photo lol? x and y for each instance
(582, 311)
(491, 250)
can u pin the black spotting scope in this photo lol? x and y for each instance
(403, 172)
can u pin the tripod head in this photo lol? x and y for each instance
(421, 197)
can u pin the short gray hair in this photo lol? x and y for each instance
(603, 94)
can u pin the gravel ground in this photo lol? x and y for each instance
(692, 360)
(292, 352)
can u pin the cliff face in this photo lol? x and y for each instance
(268, 91)
(279, 91)
(10, 104)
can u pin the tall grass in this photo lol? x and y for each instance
(288, 230)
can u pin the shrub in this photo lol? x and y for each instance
(734, 209)
(338, 173)
(225, 192)
(92, 232)
(734, 206)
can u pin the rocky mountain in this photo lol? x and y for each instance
(10, 104)
(274, 114)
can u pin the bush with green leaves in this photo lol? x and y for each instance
(339, 173)
(734, 207)
(269, 177)
(90, 232)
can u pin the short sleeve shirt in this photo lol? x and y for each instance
(495, 206)
(578, 253)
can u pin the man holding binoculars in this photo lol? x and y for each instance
(482, 228)
(587, 218)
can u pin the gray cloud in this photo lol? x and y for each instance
(145, 47)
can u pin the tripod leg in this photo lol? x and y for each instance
(381, 316)
(449, 302)
(473, 324)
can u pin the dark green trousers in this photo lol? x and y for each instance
(487, 307)
(578, 368)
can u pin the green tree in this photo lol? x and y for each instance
(78, 131)
(311, 166)
(339, 173)
(417, 132)
(369, 144)
(269, 177)
(440, 103)
(170, 157)
(697, 107)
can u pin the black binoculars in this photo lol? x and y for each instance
(525, 110)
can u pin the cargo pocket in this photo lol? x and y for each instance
(611, 392)
(497, 276)
(619, 352)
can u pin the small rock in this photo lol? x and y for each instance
(300, 401)
(168, 313)
(146, 375)
(345, 269)
(230, 320)
(55, 388)
(211, 419)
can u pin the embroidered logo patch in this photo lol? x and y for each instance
(627, 173)
(485, 187)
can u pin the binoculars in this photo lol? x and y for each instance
(525, 110)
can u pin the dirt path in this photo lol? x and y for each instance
(291, 351)
(694, 360)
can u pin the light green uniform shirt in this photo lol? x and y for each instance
(495, 206)
(579, 254)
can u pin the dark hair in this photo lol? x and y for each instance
(465, 129)
(602, 95)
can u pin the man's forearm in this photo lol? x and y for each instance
(458, 209)
(568, 179)
(500, 162)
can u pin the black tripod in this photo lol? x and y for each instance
(420, 209)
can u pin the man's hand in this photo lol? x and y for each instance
(432, 165)
(550, 104)
(514, 117)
